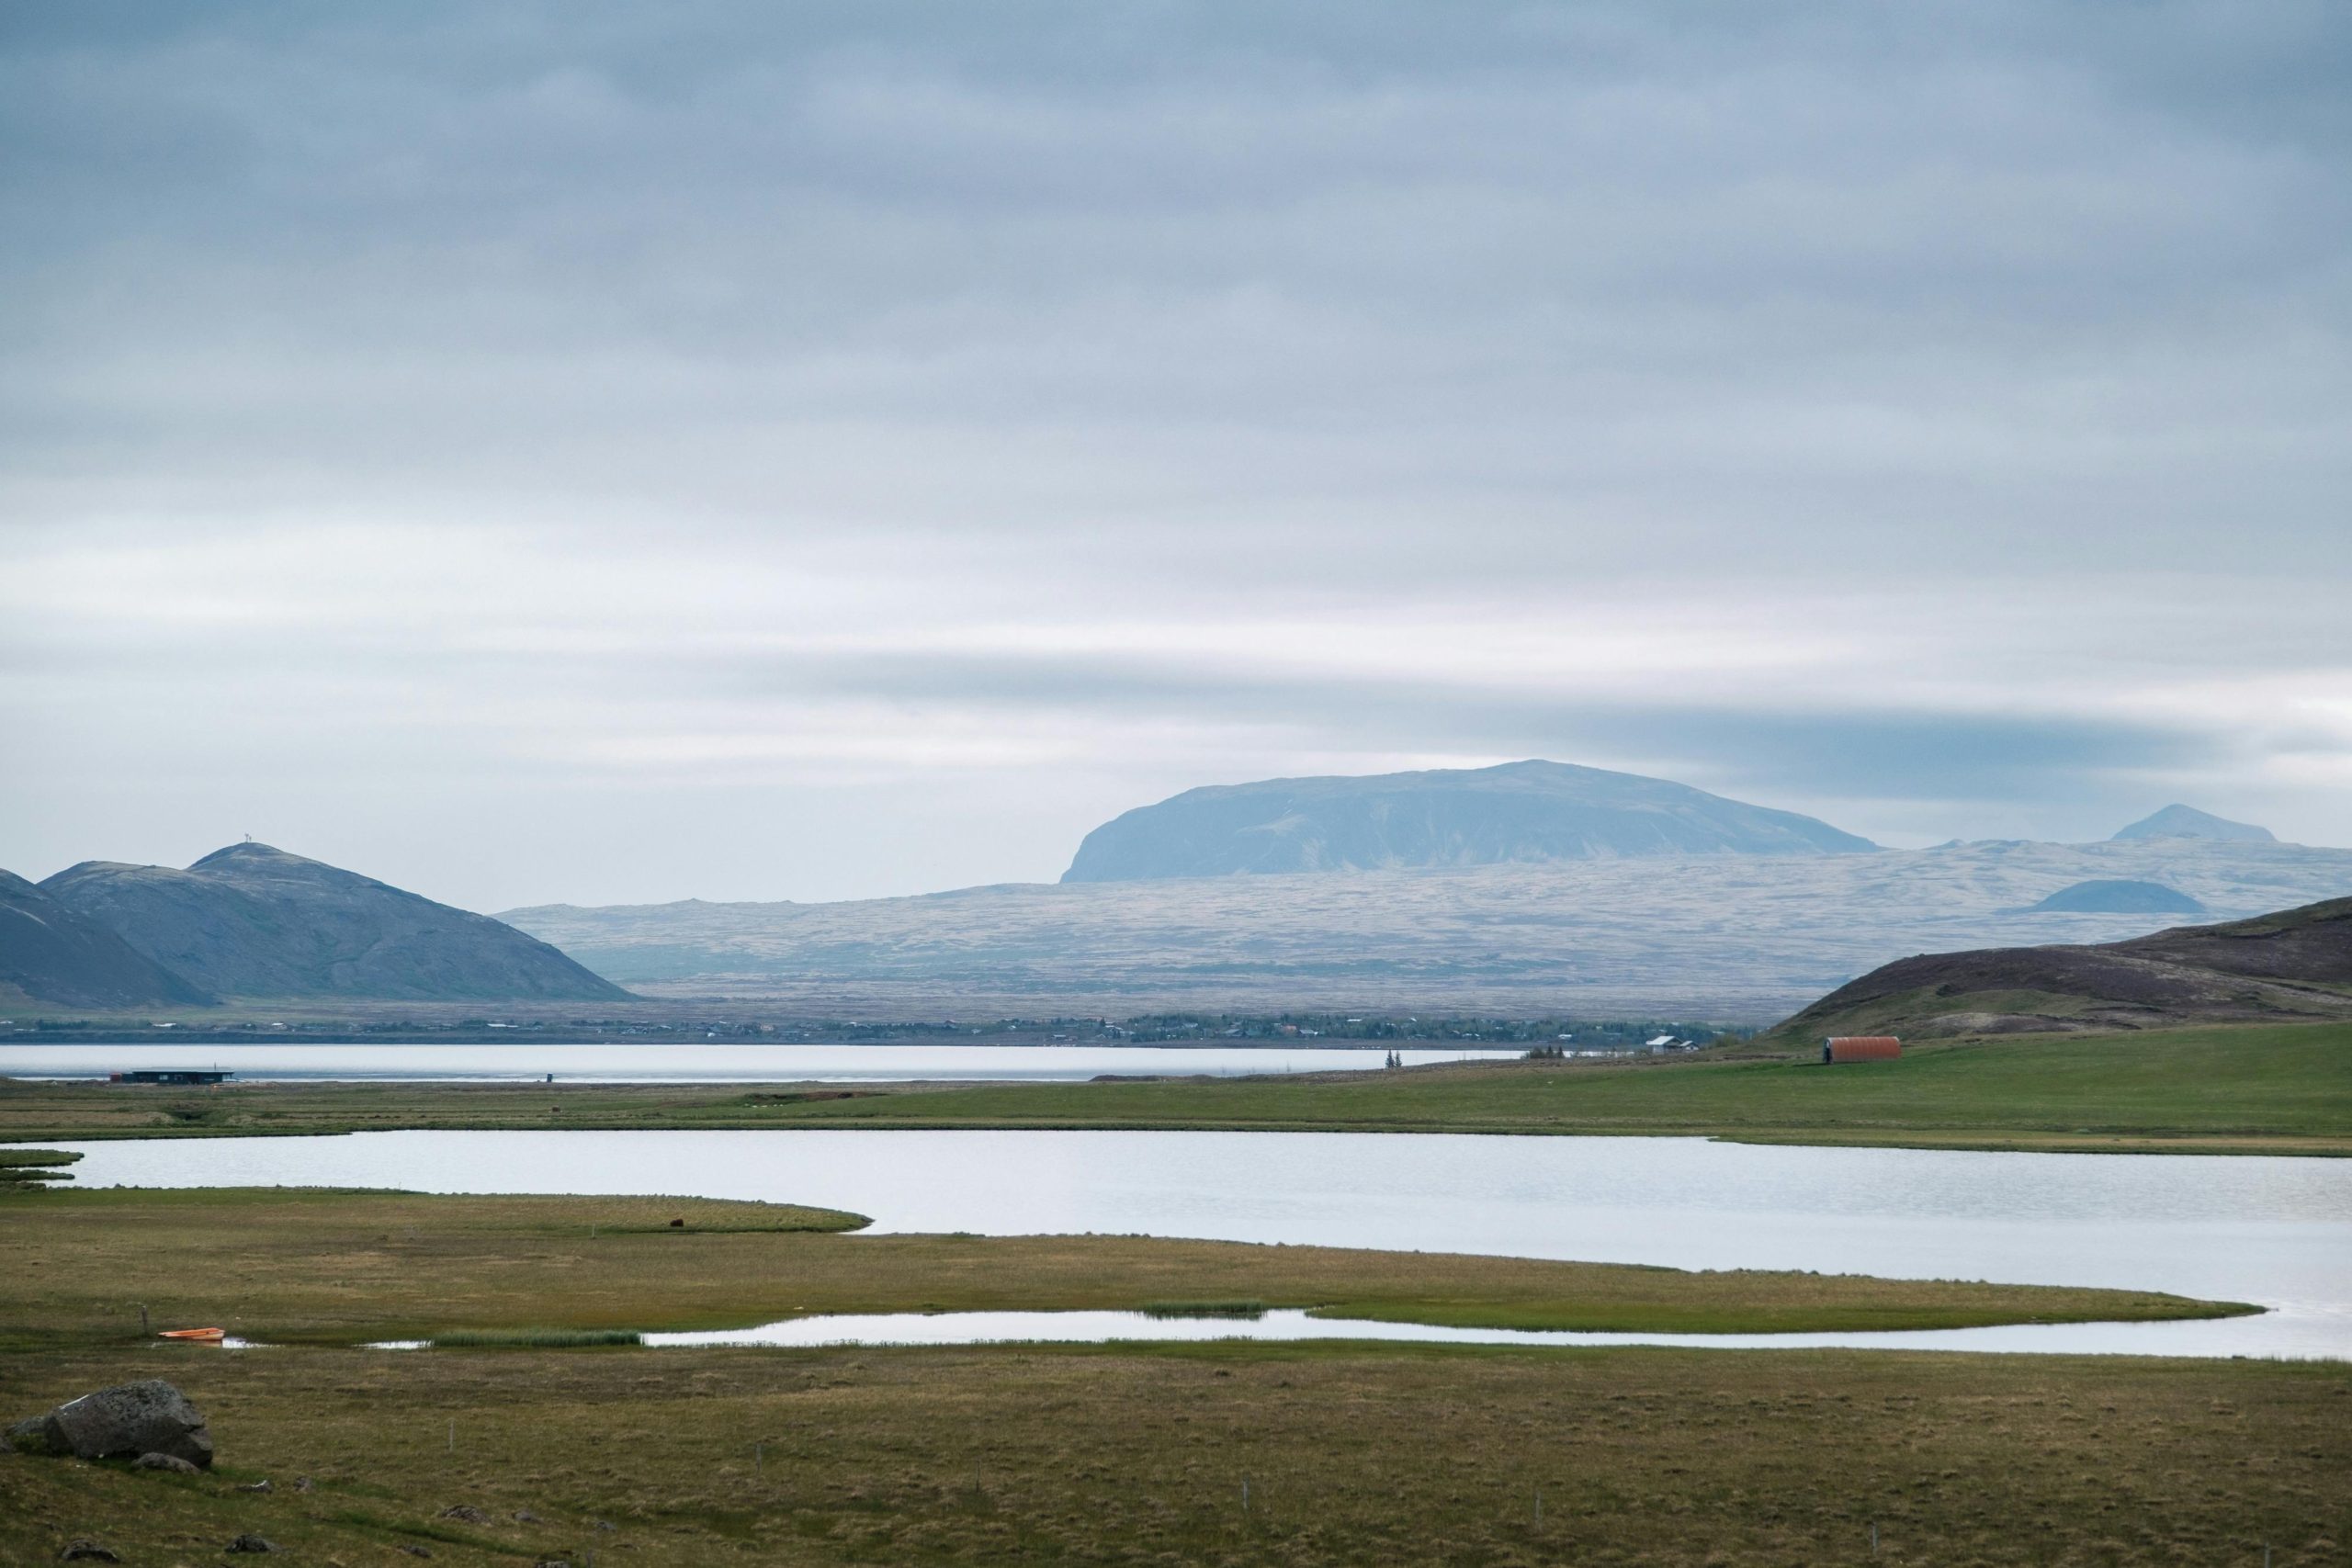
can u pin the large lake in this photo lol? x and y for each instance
(2273, 1231)
(694, 1063)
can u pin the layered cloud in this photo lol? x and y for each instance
(604, 453)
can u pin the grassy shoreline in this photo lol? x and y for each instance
(2263, 1089)
(324, 1266)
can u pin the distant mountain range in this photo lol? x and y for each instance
(1725, 937)
(1519, 813)
(1536, 885)
(1532, 887)
(2295, 965)
(253, 921)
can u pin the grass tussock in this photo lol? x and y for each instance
(15, 1157)
(532, 1339)
(36, 1164)
(1237, 1306)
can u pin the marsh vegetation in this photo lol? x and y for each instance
(290, 1264)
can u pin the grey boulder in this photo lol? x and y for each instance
(129, 1421)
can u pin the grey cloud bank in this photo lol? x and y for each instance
(600, 454)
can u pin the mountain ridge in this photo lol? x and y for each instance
(253, 921)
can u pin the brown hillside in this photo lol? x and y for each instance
(2296, 963)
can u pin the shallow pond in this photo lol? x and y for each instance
(2273, 1231)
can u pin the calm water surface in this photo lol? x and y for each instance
(2273, 1231)
(698, 1063)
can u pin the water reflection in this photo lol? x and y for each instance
(2273, 1231)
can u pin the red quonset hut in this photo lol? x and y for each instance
(1861, 1048)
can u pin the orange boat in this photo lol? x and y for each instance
(195, 1334)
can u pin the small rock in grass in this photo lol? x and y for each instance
(87, 1551)
(261, 1485)
(525, 1516)
(465, 1513)
(249, 1543)
(416, 1551)
(602, 1525)
(172, 1463)
(301, 1483)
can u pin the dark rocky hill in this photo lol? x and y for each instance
(2110, 896)
(2293, 965)
(251, 921)
(1521, 812)
(2187, 822)
(50, 953)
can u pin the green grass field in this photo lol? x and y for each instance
(336, 1267)
(2260, 1088)
(1137, 1456)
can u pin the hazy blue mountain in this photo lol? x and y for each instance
(2187, 822)
(1519, 812)
(2114, 897)
(251, 921)
(52, 954)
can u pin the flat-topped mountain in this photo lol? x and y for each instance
(1518, 813)
(2187, 822)
(251, 921)
(51, 952)
(2293, 965)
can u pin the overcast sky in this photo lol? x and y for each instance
(617, 452)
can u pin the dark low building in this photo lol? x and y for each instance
(173, 1075)
(1861, 1048)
